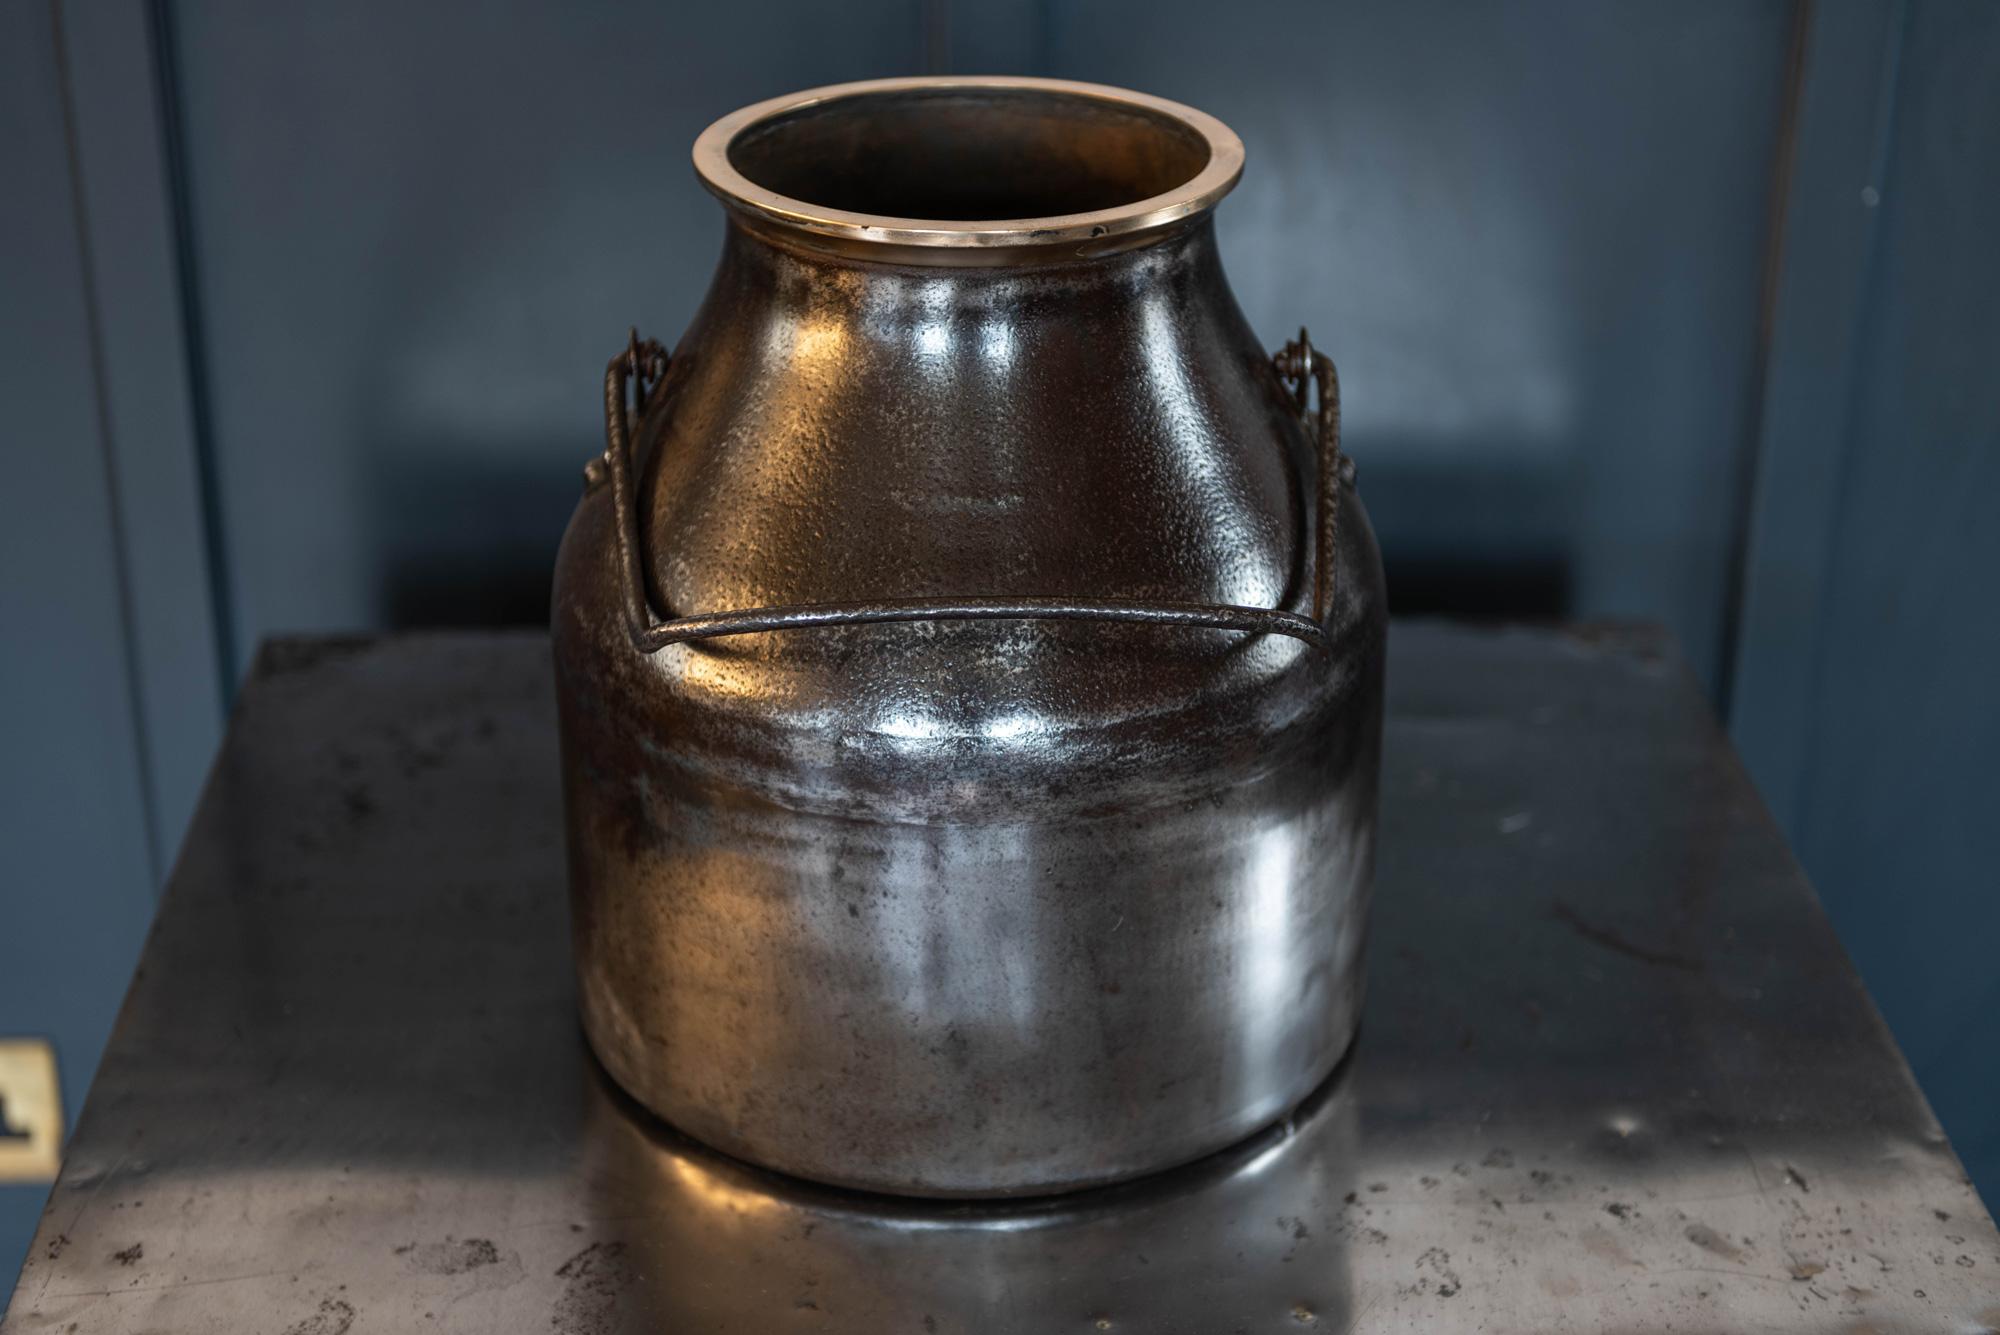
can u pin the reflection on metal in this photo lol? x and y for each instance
(961, 792)
(972, 157)
(347, 1091)
(635, 372)
(31, 1127)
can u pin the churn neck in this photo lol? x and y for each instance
(961, 170)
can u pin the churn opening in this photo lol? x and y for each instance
(970, 161)
(970, 154)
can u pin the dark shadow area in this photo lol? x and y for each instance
(1474, 589)
(1472, 531)
(504, 587)
(468, 535)
(466, 545)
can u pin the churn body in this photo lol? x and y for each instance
(970, 760)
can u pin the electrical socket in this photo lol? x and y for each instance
(31, 1126)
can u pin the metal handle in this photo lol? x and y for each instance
(636, 372)
(1305, 368)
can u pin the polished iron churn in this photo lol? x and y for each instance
(970, 656)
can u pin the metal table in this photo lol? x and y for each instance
(1616, 1073)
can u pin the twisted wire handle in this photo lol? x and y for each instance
(1306, 368)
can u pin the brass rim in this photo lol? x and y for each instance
(1107, 229)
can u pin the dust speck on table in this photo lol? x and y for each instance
(334, 1316)
(593, 1279)
(452, 1256)
(1706, 1238)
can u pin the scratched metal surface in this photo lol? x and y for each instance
(1615, 1073)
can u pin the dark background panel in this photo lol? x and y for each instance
(1533, 235)
(420, 230)
(1899, 794)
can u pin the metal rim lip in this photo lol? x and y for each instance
(1196, 195)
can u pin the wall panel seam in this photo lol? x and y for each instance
(107, 455)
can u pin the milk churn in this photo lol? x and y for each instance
(970, 656)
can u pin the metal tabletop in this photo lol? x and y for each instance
(1615, 1072)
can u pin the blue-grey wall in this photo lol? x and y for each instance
(1675, 310)
(1865, 696)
